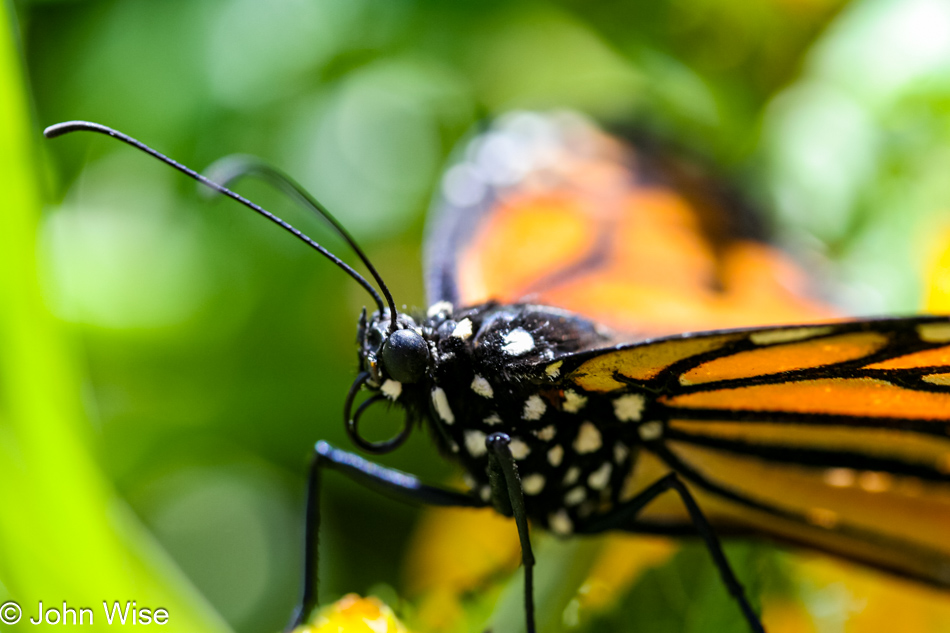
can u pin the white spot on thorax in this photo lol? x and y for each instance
(588, 439)
(560, 523)
(482, 387)
(573, 401)
(475, 443)
(492, 420)
(546, 434)
(441, 403)
(533, 484)
(463, 329)
(650, 431)
(575, 496)
(519, 450)
(555, 455)
(534, 408)
(621, 451)
(599, 479)
(517, 342)
(571, 476)
(391, 389)
(629, 407)
(485, 493)
(554, 369)
(439, 307)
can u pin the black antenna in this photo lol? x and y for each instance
(232, 168)
(85, 126)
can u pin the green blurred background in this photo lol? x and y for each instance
(169, 361)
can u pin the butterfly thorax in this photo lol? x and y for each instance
(494, 368)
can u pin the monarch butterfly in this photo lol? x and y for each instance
(831, 434)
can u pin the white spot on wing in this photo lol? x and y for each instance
(391, 389)
(533, 484)
(437, 308)
(441, 404)
(463, 186)
(770, 337)
(934, 332)
(554, 369)
(588, 439)
(555, 455)
(475, 443)
(629, 407)
(534, 408)
(560, 523)
(519, 450)
(463, 329)
(650, 431)
(482, 387)
(573, 401)
(492, 420)
(937, 379)
(874, 481)
(840, 477)
(517, 342)
(599, 479)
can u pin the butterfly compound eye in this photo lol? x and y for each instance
(405, 356)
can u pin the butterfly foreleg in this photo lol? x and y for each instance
(627, 512)
(506, 485)
(394, 483)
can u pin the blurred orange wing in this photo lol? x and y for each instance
(548, 209)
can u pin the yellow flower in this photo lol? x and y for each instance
(354, 614)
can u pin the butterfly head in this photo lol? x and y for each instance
(394, 363)
(400, 355)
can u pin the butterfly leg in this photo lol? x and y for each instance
(506, 486)
(393, 483)
(627, 512)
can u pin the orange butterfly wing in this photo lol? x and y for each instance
(836, 436)
(550, 210)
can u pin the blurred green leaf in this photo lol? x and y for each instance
(64, 534)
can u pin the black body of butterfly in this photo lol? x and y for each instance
(549, 416)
